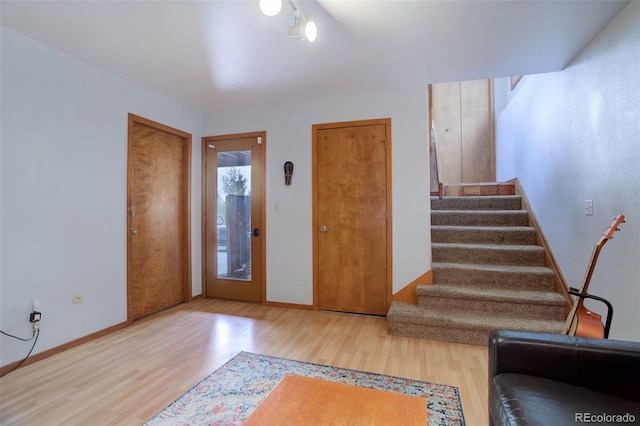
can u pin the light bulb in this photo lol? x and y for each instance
(270, 7)
(310, 31)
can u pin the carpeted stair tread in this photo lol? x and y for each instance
(488, 254)
(488, 274)
(503, 202)
(480, 217)
(405, 319)
(415, 314)
(513, 296)
(517, 303)
(494, 268)
(483, 234)
(491, 246)
(504, 277)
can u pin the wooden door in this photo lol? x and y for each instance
(352, 216)
(463, 114)
(234, 223)
(158, 226)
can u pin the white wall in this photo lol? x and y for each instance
(572, 136)
(63, 185)
(64, 175)
(289, 232)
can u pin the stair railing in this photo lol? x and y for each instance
(434, 153)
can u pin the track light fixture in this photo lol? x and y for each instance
(270, 7)
(302, 28)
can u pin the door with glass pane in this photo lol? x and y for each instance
(233, 226)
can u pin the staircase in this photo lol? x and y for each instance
(488, 272)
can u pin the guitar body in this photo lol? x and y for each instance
(588, 324)
(581, 321)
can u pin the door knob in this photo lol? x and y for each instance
(323, 228)
(256, 232)
(134, 231)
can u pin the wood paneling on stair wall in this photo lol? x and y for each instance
(464, 117)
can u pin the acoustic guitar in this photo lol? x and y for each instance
(581, 321)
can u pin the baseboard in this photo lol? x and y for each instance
(550, 260)
(408, 293)
(53, 351)
(287, 305)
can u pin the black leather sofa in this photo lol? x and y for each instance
(552, 379)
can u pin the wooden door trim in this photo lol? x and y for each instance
(263, 218)
(314, 199)
(186, 202)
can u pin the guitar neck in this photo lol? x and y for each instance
(586, 280)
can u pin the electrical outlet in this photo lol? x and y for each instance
(588, 207)
(35, 316)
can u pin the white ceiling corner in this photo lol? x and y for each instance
(224, 54)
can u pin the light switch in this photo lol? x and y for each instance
(588, 207)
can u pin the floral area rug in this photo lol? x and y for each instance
(230, 394)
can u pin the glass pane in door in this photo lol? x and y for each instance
(234, 215)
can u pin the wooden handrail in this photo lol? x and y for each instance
(434, 153)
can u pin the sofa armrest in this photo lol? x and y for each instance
(608, 366)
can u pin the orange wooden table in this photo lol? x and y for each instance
(299, 400)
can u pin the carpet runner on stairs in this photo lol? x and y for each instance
(488, 273)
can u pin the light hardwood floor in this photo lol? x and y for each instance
(126, 377)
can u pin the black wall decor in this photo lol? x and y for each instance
(288, 172)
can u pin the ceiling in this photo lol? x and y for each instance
(219, 55)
